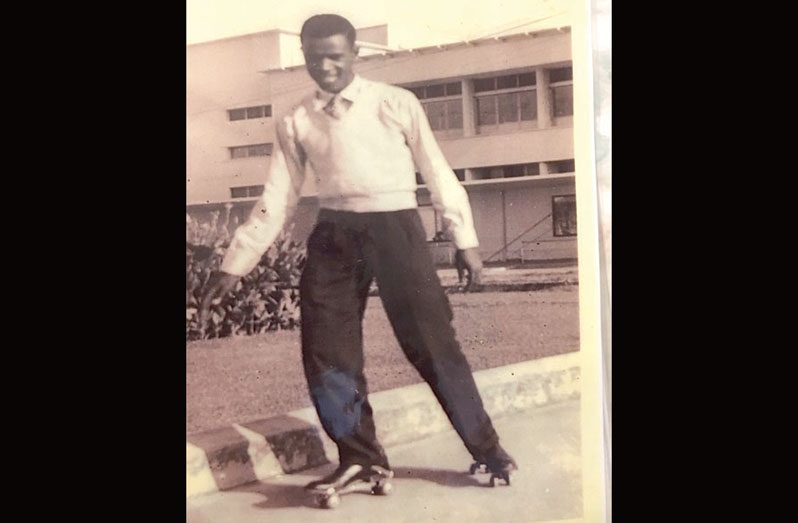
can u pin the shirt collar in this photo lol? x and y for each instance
(350, 92)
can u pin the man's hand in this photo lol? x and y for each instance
(468, 260)
(219, 284)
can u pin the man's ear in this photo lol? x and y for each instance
(356, 49)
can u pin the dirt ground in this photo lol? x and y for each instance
(252, 377)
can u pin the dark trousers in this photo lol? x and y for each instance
(346, 251)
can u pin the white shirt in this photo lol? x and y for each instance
(364, 161)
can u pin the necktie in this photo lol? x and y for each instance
(336, 107)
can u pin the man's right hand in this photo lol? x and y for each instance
(219, 284)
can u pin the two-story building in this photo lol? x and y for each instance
(501, 108)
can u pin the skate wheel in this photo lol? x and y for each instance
(382, 489)
(330, 501)
(504, 476)
(473, 468)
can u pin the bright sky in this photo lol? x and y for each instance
(437, 21)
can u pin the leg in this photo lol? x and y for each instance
(420, 315)
(333, 293)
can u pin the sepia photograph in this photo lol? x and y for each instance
(397, 261)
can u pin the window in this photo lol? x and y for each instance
(564, 74)
(460, 173)
(255, 112)
(508, 107)
(263, 149)
(245, 151)
(454, 114)
(562, 91)
(507, 82)
(518, 104)
(454, 88)
(238, 152)
(523, 169)
(562, 166)
(506, 171)
(563, 98)
(563, 213)
(437, 90)
(527, 79)
(512, 107)
(529, 105)
(249, 191)
(484, 84)
(248, 113)
(486, 110)
(445, 112)
(237, 114)
(436, 113)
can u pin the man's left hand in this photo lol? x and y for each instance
(468, 261)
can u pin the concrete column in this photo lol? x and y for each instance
(469, 109)
(544, 99)
(544, 168)
(469, 174)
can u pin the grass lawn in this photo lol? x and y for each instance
(241, 379)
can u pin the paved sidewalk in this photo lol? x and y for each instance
(432, 482)
(233, 456)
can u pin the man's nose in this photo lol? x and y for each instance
(327, 64)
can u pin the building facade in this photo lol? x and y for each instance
(501, 108)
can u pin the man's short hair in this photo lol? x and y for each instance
(322, 26)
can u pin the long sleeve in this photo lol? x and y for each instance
(448, 195)
(275, 206)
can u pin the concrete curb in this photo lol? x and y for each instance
(226, 458)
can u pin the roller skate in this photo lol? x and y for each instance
(327, 491)
(497, 462)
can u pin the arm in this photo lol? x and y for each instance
(269, 215)
(447, 194)
(275, 206)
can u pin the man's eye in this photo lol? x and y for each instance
(333, 57)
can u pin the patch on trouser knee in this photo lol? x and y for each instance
(339, 402)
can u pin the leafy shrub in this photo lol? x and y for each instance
(265, 299)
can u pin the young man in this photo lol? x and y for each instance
(364, 140)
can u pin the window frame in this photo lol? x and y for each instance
(568, 160)
(561, 83)
(555, 215)
(512, 125)
(267, 112)
(248, 148)
(420, 92)
(447, 114)
(251, 191)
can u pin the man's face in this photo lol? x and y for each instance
(329, 61)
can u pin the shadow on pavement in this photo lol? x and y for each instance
(445, 477)
(281, 496)
(292, 496)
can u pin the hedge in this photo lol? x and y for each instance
(265, 299)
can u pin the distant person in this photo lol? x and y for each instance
(362, 139)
